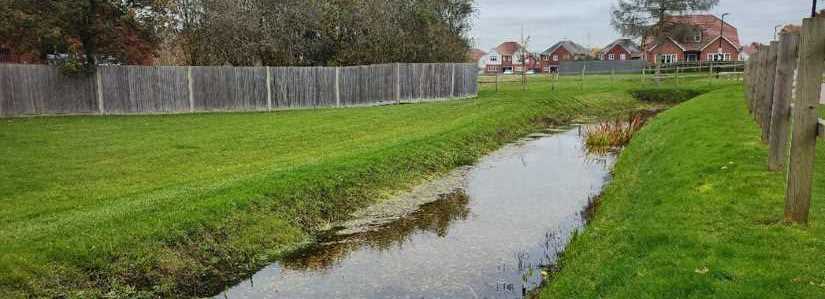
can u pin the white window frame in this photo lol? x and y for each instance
(494, 58)
(611, 56)
(623, 56)
(717, 56)
(697, 37)
(555, 57)
(668, 58)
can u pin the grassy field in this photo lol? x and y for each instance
(179, 205)
(694, 213)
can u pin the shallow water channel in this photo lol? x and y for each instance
(489, 239)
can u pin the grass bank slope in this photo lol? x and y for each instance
(693, 213)
(179, 205)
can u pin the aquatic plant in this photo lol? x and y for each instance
(613, 134)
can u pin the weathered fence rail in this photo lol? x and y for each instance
(601, 67)
(786, 107)
(43, 90)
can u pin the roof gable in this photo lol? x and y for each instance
(709, 25)
(508, 48)
(570, 46)
(625, 43)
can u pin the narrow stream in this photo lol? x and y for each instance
(517, 210)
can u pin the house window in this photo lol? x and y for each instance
(719, 57)
(555, 57)
(493, 58)
(507, 58)
(697, 37)
(692, 57)
(667, 58)
(5, 54)
(611, 56)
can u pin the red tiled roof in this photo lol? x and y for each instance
(710, 26)
(476, 54)
(508, 48)
(751, 48)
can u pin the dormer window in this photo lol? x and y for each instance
(697, 37)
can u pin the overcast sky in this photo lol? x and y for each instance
(588, 21)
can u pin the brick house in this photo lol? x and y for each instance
(8, 55)
(507, 58)
(622, 49)
(710, 40)
(562, 51)
(490, 63)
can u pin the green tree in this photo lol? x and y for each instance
(649, 18)
(84, 29)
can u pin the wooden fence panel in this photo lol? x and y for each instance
(144, 89)
(38, 89)
(229, 88)
(295, 87)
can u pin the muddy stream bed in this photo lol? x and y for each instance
(486, 231)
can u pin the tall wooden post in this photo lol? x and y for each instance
(496, 81)
(803, 137)
(452, 82)
(678, 68)
(338, 86)
(269, 87)
(99, 84)
(767, 99)
(398, 83)
(782, 93)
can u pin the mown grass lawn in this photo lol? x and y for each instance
(179, 205)
(694, 213)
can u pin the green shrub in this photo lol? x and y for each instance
(665, 95)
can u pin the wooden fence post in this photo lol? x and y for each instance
(99, 85)
(269, 88)
(658, 75)
(805, 121)
(759, 85)
(747, 84)
(678, 68)
(452, 84)
(644, 69)
(191, 89)
(398, 83)
(767, 99)
(338, 86)
(782, 93)
(496, 80)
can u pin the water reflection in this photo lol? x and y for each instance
(434, 217)
(519, 209)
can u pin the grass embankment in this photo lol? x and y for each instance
(179, 205)
(693, 213)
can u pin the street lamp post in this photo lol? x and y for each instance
(722, 34)
(813, 9)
